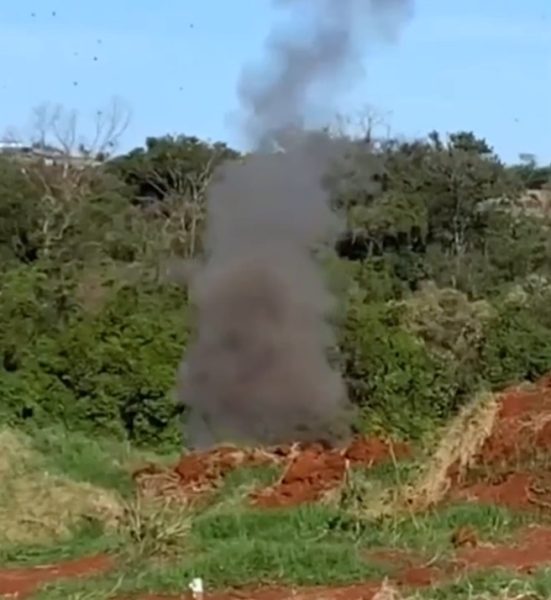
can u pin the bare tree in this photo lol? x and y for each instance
(369, 125)
(183, 196)
(56, 128)
(63, 163)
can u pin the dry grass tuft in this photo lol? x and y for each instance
(461, 441)
(387, 591)
(158, 527)
(459, 444)
(38, 507)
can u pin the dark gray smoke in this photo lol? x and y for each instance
(309, 63)
(258, 369)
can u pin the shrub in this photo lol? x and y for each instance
(518, 344)
(110, 372)
(396, 382)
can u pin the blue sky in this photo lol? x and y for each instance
(483, 65)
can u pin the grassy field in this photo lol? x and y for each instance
(65, 496)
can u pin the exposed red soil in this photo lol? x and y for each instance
(531, 550)
(372, 451)
(197, 473)
(523, 426)
(521, 435)
(309, 471)
(512, 491)
(309, 475)
(513, 468)
(21, 583)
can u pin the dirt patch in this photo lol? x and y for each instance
(491, 453)
(21, 583)
(309, 475)
(309, 471)
(513, 491)
(531, 551)
(516, 490)
(523, 426)
(512, 467)
(496, 451)
(373, 451)
(410, 570)
(200, 472)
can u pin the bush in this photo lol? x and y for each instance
(411, 365)
(88, 341)
(392, 377)
(111, 372)
(518, 343)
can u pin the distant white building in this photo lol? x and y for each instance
(47, 155)
(12, 147)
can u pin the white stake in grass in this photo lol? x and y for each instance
(196, 587)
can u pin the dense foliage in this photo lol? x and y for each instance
(443, 278)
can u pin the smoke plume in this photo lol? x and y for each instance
(258, 368)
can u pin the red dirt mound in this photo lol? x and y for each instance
(310, 470)
(511, 469)
(316, 470)
(21, 583)
(523, 425)
(372, 451)
(307, 477)
(200, 472)
(512, 490)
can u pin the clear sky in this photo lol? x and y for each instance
(483, 65)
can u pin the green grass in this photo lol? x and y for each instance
(496, 584)
(88, 540)
(489, 585)
(317, 544)
(102, 462)
(431, 532)
(301, 546)
(233, 546)
(230, 543)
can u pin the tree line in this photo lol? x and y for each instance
(442, 277)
